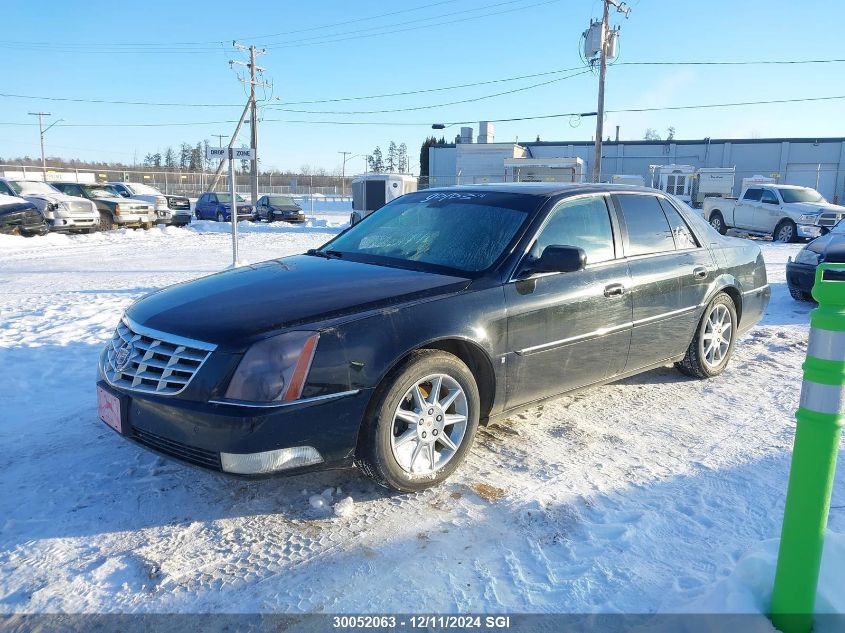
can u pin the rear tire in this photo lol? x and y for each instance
(718, 222)
(354, 218)
(404, 441)
(106, 221)
(798, 294)
(785, 232)
(708, 353)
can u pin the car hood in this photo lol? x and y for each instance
(235, 307)
(51, 197)
(826, 242)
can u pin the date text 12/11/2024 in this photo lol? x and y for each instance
(421, 622)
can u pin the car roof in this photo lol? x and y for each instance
(547, 188)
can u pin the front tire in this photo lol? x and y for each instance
(718, 222)
(106, 221)
(713, 343)
(221, 217)
(785, 232)
(798, 294)
(422, 424)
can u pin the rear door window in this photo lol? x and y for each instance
(753, 195)
(681, 232)
(648, 229)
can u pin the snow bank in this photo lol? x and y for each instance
(748, 589)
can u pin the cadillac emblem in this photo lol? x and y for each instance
(123, 356)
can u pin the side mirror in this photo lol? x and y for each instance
(560, 259)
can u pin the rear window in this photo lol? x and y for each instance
(648, 230)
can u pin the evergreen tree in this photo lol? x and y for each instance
(428, 142)
(376, 161)
(403, 158)
(169, 158)
(196, 158)
(392, 157)
(184, 156)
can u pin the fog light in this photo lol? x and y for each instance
(269, 461)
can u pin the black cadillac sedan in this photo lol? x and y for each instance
(443, 310)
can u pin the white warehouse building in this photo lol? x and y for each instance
(812, 162)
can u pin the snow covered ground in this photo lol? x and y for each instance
(641, 496)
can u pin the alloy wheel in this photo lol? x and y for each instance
(785, 233)
(716, 223)
(718, 333)
(429, 424)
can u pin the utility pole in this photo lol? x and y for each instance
(41, 131)
(220, 138)
(253, 108)
(604, 32)
(343, 174)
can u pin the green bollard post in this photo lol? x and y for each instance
(819, 426)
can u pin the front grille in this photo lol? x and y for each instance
(179, 203)
(192, 454)
(153, 362)
(79, 207)
(829, 219)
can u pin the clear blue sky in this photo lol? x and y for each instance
(78, 50)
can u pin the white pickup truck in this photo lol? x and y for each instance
(786, 212)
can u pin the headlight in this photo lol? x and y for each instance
(275, 369)
(117, 209)
(808, 218)
(161, 201)
(806, 256)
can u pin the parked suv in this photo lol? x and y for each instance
(272, 208)
(114, 210)
(170, 209)
(61, 211)
(214, 205)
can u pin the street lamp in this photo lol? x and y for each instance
(41, 131)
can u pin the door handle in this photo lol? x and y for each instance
(614, 290)
(699, 272)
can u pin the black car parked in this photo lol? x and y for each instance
(444, 309)
(272, 208)
(801, 273)
(21, 217)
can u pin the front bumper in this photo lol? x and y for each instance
(809, 230)
(800, 276)
(181, 218)
(70, 223)
(198, 432)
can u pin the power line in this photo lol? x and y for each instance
(421, 90)
(171, 45)
(431, 106)
(313, 41)
(449, 123)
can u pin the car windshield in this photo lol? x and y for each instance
(462, 231)
(24, 187)
(100, 192)
(226, 197)
(142, 189)
(801, 195)
(281, 201)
